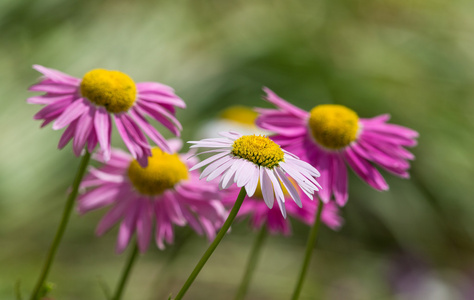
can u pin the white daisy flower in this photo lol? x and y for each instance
(249, 159)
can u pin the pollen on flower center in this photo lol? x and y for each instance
(114, 90)
(163, 172)
(259, 150)
(333, 126)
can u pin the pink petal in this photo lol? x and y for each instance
(67, 135)
(74, 111)
(388, 138)
(53, 88)
(365, 170)
(56, 75)
(163, 100)
(155, 87)
(112, 217)
(161, 115)
(173, 210)
(47, 99)
(99, 197)
(54, 109)
(280, 103)
(92, 141)
(83, 129)
(325, 167)
(127, 227)
(154, 135)
(133, 139)
(103, 130)
(339, 180)
(144, 225)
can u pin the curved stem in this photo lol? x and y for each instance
(126, 272)
(62, 226)
(252, 263)
(309, 250)
(222, 232)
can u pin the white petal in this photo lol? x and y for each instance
(227, 184)
(267, 189)
(213, 166)
(231, 135)
(276, 185)
(218, 171)
(289, 186)
(243, 174)
(209, 151)
(312, 170)
(226, 178)
(211, 145)
(300, 175)
(208, 160)
(281, 204)
(251, 185)
(290, 154)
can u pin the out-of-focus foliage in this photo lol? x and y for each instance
(412, 59)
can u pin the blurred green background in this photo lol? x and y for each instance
(413, 59)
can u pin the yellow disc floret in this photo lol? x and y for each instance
(333, 126)
(259, 150)
(163, 172)
(114, 90)
(240, 114)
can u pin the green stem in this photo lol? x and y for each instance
(18, 290)
(62, 226)
(252, 263)
(123, 280)
(309, 250)
(222, 232)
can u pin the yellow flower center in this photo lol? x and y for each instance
(240, 114)
(114, 90)
(333, 126)
(259, 150)
(259, 195)
(163, 172)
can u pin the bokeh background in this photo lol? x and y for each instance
(413, 59)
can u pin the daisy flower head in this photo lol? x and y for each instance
(248, 159)
(331, 135)
(165, 193)
(260, 215)
(86, 107)
(234, 118)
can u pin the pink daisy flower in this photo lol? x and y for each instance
(86, 107)
(330, 135)
(249, 159)
(260, 215)
(165, 192)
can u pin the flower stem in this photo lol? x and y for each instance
(126, 272)
(62, 226)
(222, 232)
(252, 263)
(309, 250)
